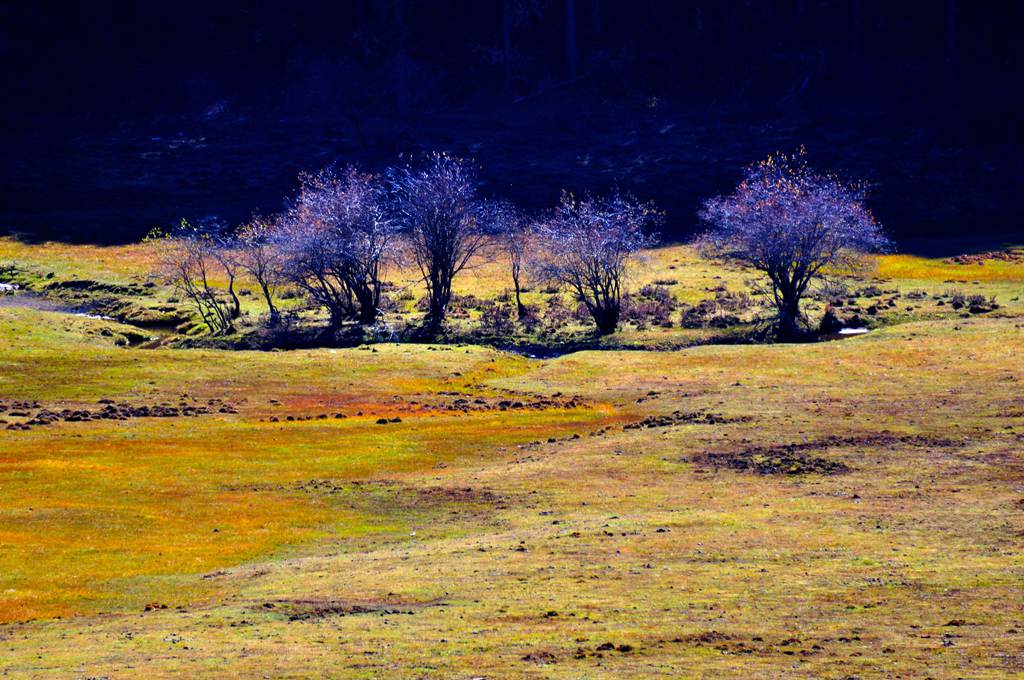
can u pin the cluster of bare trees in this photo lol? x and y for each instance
(343, 231)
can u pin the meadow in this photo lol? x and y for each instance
(658, 505)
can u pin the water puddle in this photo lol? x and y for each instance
(844, 333)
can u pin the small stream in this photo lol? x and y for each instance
(12, 297)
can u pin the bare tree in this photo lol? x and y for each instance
(260, 257)
(184, 258)
(586, 244)
(514, 234)
(224, 251)
(446, 223)
(336, 240)
(792, 223)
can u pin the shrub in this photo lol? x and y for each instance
(585, 244)
(447, 223)
(497, 320)
(336, 240)
(652, 305)
(791, 223)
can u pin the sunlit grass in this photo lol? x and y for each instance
(482, 527)
(940, 270)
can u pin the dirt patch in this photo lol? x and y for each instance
(466, 403)
(541, 657)
(733, 645)
(445, 494)
(393, 494)
(453, 402)
(1008, 255)
(783, 460)
(796, 459)
(317, 609)
(319, 486)
(24, 415)
(684, 418)
(36, 302)
(705, 638)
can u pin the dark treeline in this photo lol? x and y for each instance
(122, 115)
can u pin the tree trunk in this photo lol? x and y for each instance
(236, 304)
(520, 308)
(337, 317)
(367, 312)
(275, 317)
(440, 296)
(789, 319)
(607, 319)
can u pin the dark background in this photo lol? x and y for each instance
(121, 116)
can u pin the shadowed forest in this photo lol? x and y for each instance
(121, 117)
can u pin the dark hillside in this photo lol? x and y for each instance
(192, 111)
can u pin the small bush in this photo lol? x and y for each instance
(830, 323)
(530, 317)
(556, 315)
(720, 312)
(734, 302)
(870, 292)
(831, 291)
(498, 320)
(652, 305)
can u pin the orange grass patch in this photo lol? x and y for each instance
(156, 501)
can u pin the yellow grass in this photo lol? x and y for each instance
(466, 544)
(941, 270)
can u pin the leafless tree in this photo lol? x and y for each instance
(586, 244)
(336, 240)
(792, 223)
(185, 257)
(446, 223)
(514, 234)
(260, 257)
(224, 251)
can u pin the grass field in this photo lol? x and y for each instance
(838, 509)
